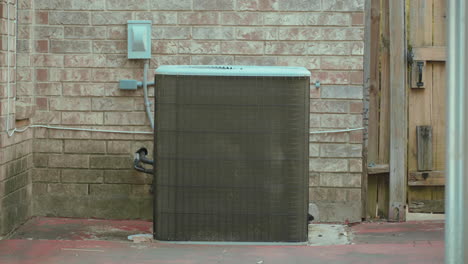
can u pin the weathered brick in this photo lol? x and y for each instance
(67, 189)
(328, 165)
(82, 176)
(173, 32)
(23, 46)
(356, 77)
(256, 33)
(48, 89)
(215, 33)
(110, 46)
(356, 136)
(110, 189)
(25, 17)
(14, 183)
(118, 136)
(342, 92)
(342, 34)
(127, 5)
(117, 32)
(127, 176)
(70, 75)
(158, 18)
(25, 4)
(69, 18)
(42, 46)
(357, 19)
(343, 5)
(171, 5)
(24, 89)
(198, 18)
(340, 121)
(314, 179)
(285, 48)
(68, 161)
(119, 147)
(314, 150)
(48, 32)
(42, 18)
(86, 5)
(300, 61)
(42, 103)
(69, 134)
(199, 47)
(84, 146)
(254, 5)
(164, 47)
(39, 188)
(112, 104)
(50, 4)
(340, 180)
(141, 190)
(242, 47)
(24, 32)
(125, 118)
(82, 118)
(46, 175)
(328, 48)
(255, 60)
(299, 5)
(314, 120)
(342, 63)
(46, 117)
(212, 60)
(48, 146)
(24, 74)
(300, 33)
(357, 48)
(22, 59)
(111, 18)
(70, 46)
(85, 32)
(337, 194)
(320, 106)
(111, 162)
(340, 150)
(213, 4)
(356, 107)
(111, 75)
(80, 89)
(355, 165)
(248, 19)
(98, 61)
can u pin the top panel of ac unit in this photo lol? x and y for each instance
(224, 70)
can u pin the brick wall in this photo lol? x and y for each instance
(77, 54)
(15, 152)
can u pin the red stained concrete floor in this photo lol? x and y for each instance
(89, 241)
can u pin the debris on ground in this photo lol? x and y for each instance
(141, 238)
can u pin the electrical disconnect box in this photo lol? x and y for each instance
(139, 39)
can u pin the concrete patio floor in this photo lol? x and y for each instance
(89, 241)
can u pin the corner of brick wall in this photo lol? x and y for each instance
(15, 152)
(78, 54)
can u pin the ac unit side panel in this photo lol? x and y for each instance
(232, 158)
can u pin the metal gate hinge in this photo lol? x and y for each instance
(410, 57)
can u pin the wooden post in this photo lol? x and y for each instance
(367, 55)
(384, 117)
(374, 80)
(398, 112)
